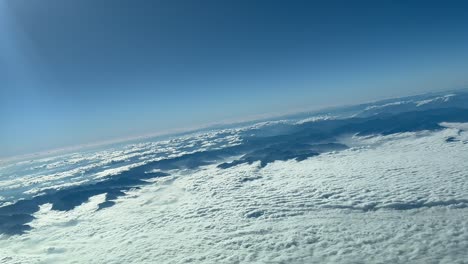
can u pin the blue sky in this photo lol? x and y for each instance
(76, 72)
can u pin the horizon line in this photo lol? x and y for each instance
(211, 125)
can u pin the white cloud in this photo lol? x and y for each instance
(386, 105)
(312, 211)
(444, 99)
(315, 119)
(460, 126)
(27, 178)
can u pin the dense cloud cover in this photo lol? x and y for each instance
(344, 186)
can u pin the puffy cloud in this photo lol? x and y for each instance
(400, 198)
(25, 179)
(301, 190)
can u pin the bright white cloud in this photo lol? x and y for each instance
(314, 211)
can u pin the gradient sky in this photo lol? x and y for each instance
(75, 72)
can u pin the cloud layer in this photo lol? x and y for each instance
(384, 182)
(389, 199)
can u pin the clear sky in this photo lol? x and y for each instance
(81, 71)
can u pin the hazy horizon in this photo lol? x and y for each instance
(183, 130)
